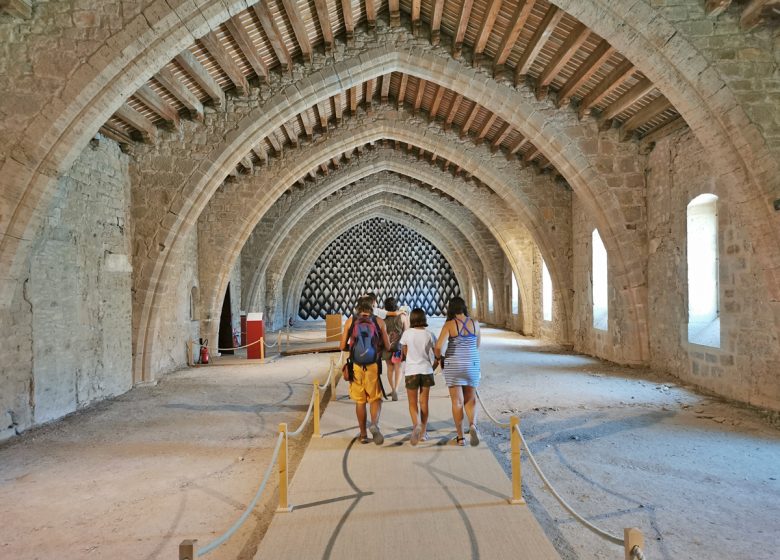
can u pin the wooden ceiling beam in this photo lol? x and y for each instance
(464, 131)
(200, 75)
(402, 90)
(338, 108)
(610, 83)
(324, 168)
(484, 31)
(716, 7)
(370, 13)
(460, 30)
(115, 135)
(530, 154)
(436, 102)
(274, 140)
(758, 11)
(352, 95)
(503, 132)
(395, 13)
(368, 96)
(247, 47)
(416, 23)
(646, 113)
(299, 29)
(486, 128)
(453, 111)
(335, 162)
(349, 24)
(289, 129)
(384, 93)
(579, 34)
(321, 7)
(307, 124)
(225, 61)
(438, 9)
(637, 92)
(181, 92)
(246, 163)
(151, 99)
(146, 130)
(537, 42)
(596, 60)
(17, 8)
(322, 112)
(656, 134)
(260, 152)
(274, 35)
(519, 19)
(419, 97)
(514, 148)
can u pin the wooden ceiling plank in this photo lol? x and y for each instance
(438, 10)
(321, 6)
(485, 29)
(514, 148)
(716, 7)
(349, 24)
(419, 97)
(289, 129)
(637, 92)
(503, 132)
(416, 23)
(247, 47)
(453, 111)
(585, 72)
(274, 35)
(537, 42)
(436, 102)
(464, 131)
(225, 61)
(402, 90)
(299, 29)
(574, 41)
(308, 126)
(181, 92)
(385, 91)
(145, 128)
(395, 13)
(322, 111)
(646, 113)
(200, 75)
(529, 156)
(157, 104)
(612, 81)
(519, 19)
(486, 128)
(370, 13)
(460, 30)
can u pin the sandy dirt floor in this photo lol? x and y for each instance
(132, 477)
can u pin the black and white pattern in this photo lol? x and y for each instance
(381, 256)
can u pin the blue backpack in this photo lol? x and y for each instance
(365, 342)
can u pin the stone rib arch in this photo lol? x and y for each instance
(285, 242)
(473, 269)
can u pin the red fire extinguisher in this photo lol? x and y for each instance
(204, 351)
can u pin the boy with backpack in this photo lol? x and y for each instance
(365, 336)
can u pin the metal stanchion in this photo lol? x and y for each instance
(187, 549)
(284, 505)
(316, 432)
(517, 473)
(633, 537)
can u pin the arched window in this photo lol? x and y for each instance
(599, 278)
(703, 304)
(473, 301)
(546, 293)
(194, 303)
(515, 296)
(490, 297)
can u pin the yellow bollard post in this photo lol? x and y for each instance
(517, 474)
(632, 537)
(316, 411)
(187, 549)
(262, 349)
(284, 505)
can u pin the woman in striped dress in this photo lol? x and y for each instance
(460, 366)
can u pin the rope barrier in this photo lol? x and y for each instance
(637, 553)
(299, 431)
(240, 521)
(496, 422)
(228, 349)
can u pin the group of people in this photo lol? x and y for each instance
(401, 340)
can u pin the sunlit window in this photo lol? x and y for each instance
(490, 297)
(515, 296)
(546, 293)
(473, 300)
(703, 304)
(600, 289)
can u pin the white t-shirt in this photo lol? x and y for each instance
(419, 351)
(379, 312)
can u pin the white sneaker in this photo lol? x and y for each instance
(416, 433)
(394, 395)
(473, 435)
(379, 439)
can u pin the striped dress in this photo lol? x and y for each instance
(461, 360)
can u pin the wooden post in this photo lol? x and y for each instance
(517, 474)
(189, 353)
(187, 549)
(287, 343)
(334, 378)
(284, 505)
(279, 342)
(632, 537)
(316, 411)
(262, 349)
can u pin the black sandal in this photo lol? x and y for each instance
(460, 441)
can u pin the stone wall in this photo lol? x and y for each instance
(745, 367)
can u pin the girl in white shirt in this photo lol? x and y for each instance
(418, 344)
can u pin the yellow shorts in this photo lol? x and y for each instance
(365, 387)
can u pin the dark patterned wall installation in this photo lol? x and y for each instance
(382, 256)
